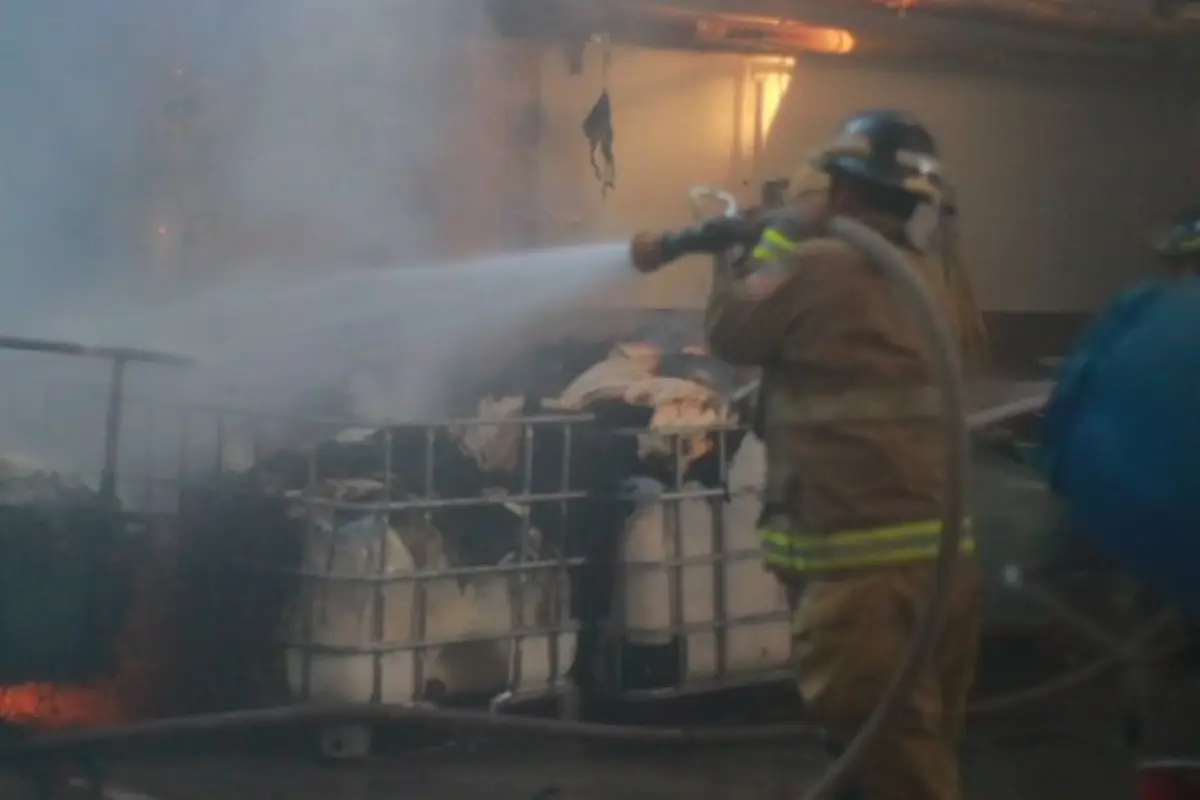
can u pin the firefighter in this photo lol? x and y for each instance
(856, 456)
(1179, 245)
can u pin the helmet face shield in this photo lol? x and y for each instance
(886, 147)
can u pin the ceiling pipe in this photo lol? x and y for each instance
(1068, 18)
(776, 34)
(879, 37)
(757, 33)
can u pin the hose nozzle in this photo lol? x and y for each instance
(646, 252)
(650, 251)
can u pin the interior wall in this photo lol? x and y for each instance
(486, 174)
(1061, 184)
(675, 127)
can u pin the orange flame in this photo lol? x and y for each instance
(47, 706)
(130, 695)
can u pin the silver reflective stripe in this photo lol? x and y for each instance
(859, 404)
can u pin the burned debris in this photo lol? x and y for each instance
(419, 561)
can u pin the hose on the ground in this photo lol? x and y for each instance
(320, 715)
(1081, 675)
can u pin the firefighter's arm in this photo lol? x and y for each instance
(748, 315)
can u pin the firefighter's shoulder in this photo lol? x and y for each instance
(789, 266)
(798, 240)
(823, 253)
(826, 248)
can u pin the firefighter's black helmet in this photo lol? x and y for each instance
(1182, 239)
(886, 147)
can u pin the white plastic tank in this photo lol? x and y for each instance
(540, 662)
(344, 614)
(643, 602)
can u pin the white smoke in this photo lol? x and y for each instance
(352, 103)
(186, 176)
(169, 142)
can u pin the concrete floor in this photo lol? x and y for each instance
(1050, 755)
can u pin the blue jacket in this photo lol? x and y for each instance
(1122, 437)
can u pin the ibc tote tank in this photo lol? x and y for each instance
(1123, 437)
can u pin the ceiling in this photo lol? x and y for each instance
(984, 33)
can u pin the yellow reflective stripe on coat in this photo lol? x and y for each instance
(772, 245)
(893, 544)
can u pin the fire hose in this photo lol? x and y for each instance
(912, 290)
(322, 714)
(649, 252)
(889, 260)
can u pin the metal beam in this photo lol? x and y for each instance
(1051, 16)
(936, 36)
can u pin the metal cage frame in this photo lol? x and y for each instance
(560, 685)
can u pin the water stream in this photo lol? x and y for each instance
(378, 345)
(156, 143)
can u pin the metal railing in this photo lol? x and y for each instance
(390, 580)
(119, 359)
(194, 444)
(542, 488)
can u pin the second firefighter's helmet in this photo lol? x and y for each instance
(887, 147)
(1182, 239)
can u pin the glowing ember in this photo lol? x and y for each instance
(48, 706)
(142, 670)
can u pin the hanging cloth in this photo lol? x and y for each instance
(598, 128)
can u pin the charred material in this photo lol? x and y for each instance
(531, 483)
(65, 579)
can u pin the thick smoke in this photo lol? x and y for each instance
(352, 103)
(253, 183)
(72, 134)
(149, 144)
